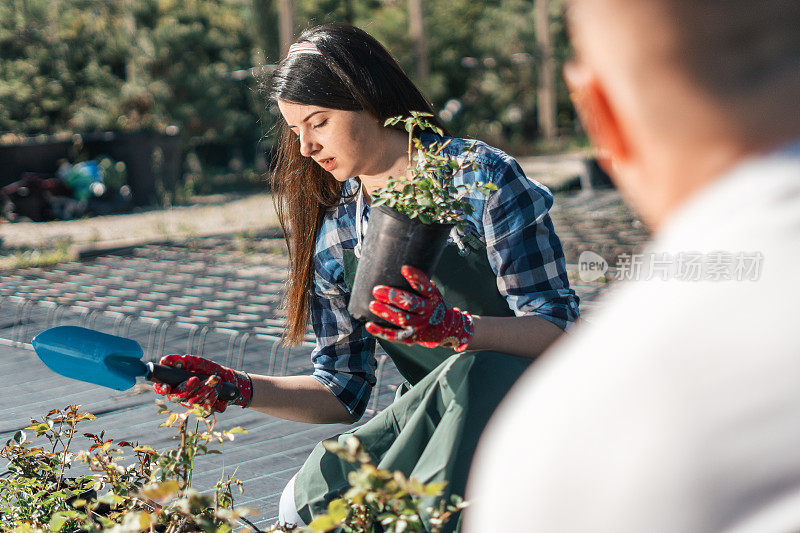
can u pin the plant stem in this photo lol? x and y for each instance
(442, 147)
(191, 462)
(56, 436)
(181, 450)
(410, 161)
(64, 458)
(410, 138)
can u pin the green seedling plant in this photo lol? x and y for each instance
(428, 193)
(380, 500)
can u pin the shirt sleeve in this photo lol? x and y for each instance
(523, 248)
(344, 358)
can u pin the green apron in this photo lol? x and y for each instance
(431, 429)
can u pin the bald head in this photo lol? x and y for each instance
(676, 92)
(736, 47)
(740, 55)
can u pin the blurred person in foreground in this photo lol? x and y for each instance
(677, 408)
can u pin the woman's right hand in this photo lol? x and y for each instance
(205, 392)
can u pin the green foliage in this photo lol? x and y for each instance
(37, 490)
(153, 492)
(428, 192)
(482, 55)
(60, 65)
(85, 65)
(154, 489)
(53, 253)
(379, 500)
(191, 49)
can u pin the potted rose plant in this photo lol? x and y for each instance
(413, 215)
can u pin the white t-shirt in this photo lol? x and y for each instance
(678, 407)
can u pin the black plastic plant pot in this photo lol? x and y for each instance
(393, 240)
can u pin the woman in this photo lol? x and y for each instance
(334, 90)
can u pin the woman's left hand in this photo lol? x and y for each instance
(424, 319)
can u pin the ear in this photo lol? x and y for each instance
(597, 115)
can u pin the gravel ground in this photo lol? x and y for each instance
(211, 215)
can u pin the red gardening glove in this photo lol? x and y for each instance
(195, 391)
(427, 319)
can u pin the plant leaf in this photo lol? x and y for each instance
(337, 510)
(161, 491)
(434, 489)
(58, 520)
(323, 523)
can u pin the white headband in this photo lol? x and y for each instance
(303, 47)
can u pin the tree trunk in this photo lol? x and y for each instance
(546, 93)
(286, 15)
(129, 23)
(348, 11)
(416, 26)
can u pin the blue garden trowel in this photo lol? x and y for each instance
(107, 360)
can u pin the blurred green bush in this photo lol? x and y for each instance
(89, 65)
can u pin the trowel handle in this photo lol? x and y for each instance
(172, 376)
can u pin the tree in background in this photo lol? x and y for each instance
(483, 58)
(62, 65)
(84, 65)
(546, 90)
(192, 47)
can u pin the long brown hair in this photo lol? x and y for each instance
(352, 72)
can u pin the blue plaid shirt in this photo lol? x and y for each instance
(521, 245)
